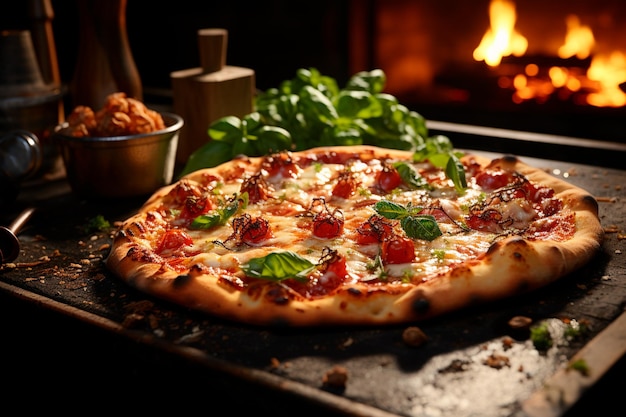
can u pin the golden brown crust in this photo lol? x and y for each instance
(511, 266)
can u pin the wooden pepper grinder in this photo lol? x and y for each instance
(205, 94)
(105, 63)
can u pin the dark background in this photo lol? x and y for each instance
(274, 38)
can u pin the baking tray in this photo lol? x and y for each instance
(473, 364)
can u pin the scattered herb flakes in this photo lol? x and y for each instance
(575, 329)
(97, 224)
(580, 365)
(541, 337)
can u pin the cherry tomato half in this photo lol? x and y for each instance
(327, 226)
(256, 231)
(388, 179)
(398, 250)
(174, 239)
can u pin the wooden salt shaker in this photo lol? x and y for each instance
(203, 95)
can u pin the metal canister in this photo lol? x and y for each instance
(20, 158)
(27, 101)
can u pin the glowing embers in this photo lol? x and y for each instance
(573, 72)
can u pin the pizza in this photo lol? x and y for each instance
(354, 235)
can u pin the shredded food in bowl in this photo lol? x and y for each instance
(120, 116)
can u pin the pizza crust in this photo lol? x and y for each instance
(510, 267)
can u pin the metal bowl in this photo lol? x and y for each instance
(120, 166)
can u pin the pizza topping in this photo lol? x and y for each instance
(370, 219)
(398, 250)
(250, 230)
(220, 216)
(513, 202)
(181, 192)
(173, 240)
(414, 224)
(490, 180)
(330, 272)
(388, 179)
(327, 224)
(256, 187)
(333, 264)
(278, 266)
(346, 185)
(281, 165)
(195, 206)
(410, 176)
(374, 230)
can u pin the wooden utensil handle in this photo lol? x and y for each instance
(212, 44)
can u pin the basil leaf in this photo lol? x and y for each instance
(271, 139)
(278, 266)
(410, 176)
(220, 216)
(206, 221)
(226, 129)
(319, 103)
(421, 227)
(210, 154)
(456, 172)
(390, 210)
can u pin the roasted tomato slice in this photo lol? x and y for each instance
(388, 179)
(492, 180)
(282, 165)
(398, 250)
(327, 225)
(250, 230)
(256, 187)
(346, 185)
(173, 240)
(374, 230)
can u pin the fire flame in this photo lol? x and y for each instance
(501, 39)
(609, 71)
(600, 86)
(579, 39)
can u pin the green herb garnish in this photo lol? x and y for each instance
(278, 266)
(97, 224)
(541, 337)
(410, 176)
(415, 225)
(311, 110)
(581, 366)
(220, 216)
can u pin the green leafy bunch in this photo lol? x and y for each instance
(310, 110)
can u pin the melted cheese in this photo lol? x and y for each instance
(290, 218)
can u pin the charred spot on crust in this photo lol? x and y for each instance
(510, 159)
(197, 270)
(494, 247)
(590, 201)
(354, 291)
(181, 281)
(516, 247)
(420, 305)
(277, 295)
(137, 254)
(120, 234)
